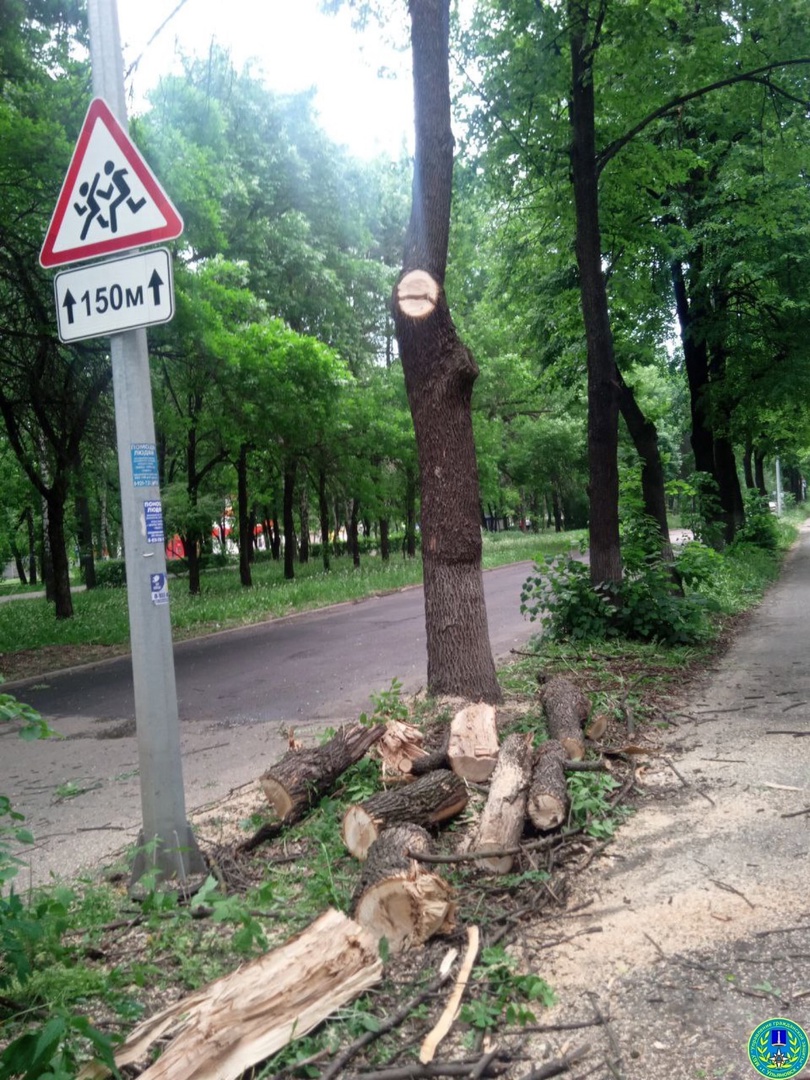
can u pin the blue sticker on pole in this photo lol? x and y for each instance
(144, 465)
(159, 588)
(153, 520)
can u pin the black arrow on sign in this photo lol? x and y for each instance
(155, 281)
(69, 303)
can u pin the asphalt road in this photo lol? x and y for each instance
(238, 693)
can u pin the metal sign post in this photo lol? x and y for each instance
(167, 843)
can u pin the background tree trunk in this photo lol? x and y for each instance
(603, 397)
(289, 524)
(245, 532)
(439, 376)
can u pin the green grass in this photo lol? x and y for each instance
(100, 616)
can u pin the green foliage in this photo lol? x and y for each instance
(644, 606)
(111, 574)
(590, 804)
(761, 527)
(56, 1050)
(502, 995)
(701, 510)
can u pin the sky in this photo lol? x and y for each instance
(295, 47)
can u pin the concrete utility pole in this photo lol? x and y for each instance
(167, 843)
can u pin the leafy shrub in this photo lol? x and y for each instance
(111, 574)
(644, 606)
(761, 527)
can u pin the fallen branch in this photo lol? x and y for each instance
(558, 1066)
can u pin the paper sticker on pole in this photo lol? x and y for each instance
(110, 200)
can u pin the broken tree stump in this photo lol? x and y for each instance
(295, 783)
(398, 898)
(473, 747)
(432, 798)
(222, 1030)
(548, 801)
(503, 817)
(566, 709)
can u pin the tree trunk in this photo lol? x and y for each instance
(46, 558)
(410, 513)
(548, 795)
(645, 439)
(397, 898)
(385, 546)
(84, 529)
(504, 815)
(439, 375)
(432, 798)
(566, 709)
(245, 534)
(18, 562)
(759, 473)
(354, 534)
(603, 397)
(57, 543)
(32, 547)
(303, 515)
(323, 514)
(748, 465)
(728, 483)
(275, 535)
(290, 467)
(556, 508)
(295, 783)
(696, 359)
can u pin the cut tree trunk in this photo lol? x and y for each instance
(548, 795)
(222, 1030)
(429, 800)
(502, 820)
(473, 747)
(302, 777)
(398, 899)
(566, 709)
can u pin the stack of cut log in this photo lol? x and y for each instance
(399, 896)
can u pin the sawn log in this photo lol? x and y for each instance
(548, 801)
(432, 798)
(398, 898)
(473, 747)
(295, 783)
(566, 709)
(503, 817)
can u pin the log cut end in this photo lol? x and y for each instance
(473, 747)
(277, 795)
(359, 831)
(407, 909)
(417, 294)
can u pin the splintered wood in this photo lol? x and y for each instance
(224, 1029)
(398, 899)
(399, 747)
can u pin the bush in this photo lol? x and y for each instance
(761, 527)
(111, 574)
(645, 606)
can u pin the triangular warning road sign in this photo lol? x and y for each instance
(110, 200)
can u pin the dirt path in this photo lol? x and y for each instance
(698, 923)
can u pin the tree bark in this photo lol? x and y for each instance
(410, 513)
(354, 533)
(398, 898)
(295, 783)
(439, 375)
(566, 709)
(57, 544)
(303, 514)
(385, 546)
(429, 800)
(504, 815)
(603, 396)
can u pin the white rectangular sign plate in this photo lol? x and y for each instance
(119, 294)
